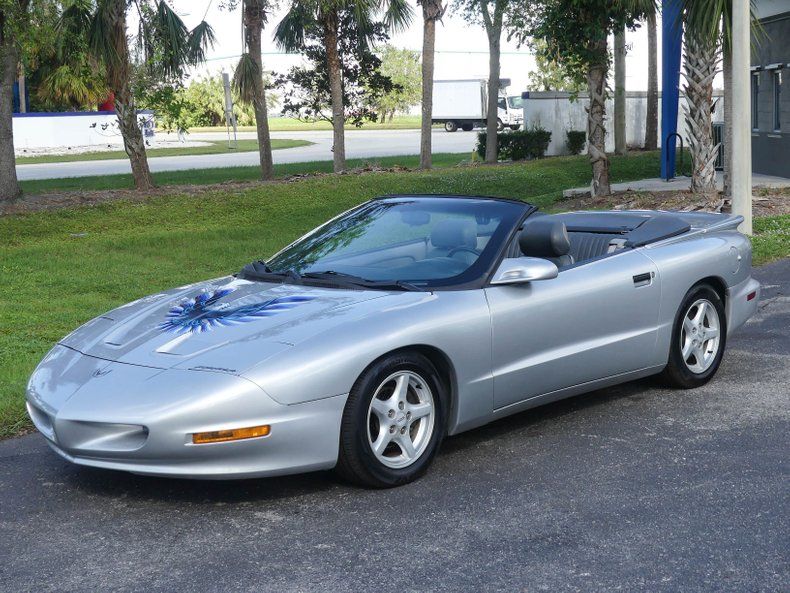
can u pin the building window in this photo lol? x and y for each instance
(755, 98)
(777, 100)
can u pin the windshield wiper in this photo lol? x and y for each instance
(361, 282)
(259, 270)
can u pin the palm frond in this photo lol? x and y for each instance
(201, 38)
(101, 39)
(398, 15)
(290, 32)
(245, 79)
(173, 39)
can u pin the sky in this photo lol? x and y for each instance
(461, 49)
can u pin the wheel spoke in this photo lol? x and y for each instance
(711, 333)
(382, 441)
(404, 441)
(401, 388)
(688, 325)
(381, 408)
(687, 348)
(420, 410)
(702, 308)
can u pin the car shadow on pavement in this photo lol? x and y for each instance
(107, 483)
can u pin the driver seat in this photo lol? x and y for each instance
(547, 238)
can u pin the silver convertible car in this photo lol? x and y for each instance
(363, 344)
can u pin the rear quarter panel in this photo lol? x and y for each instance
(723, 255)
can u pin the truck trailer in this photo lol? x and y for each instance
(464, 104)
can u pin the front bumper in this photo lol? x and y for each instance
(140, 420)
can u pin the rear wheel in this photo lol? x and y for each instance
(467, 127)
(698, 339)
(393, 422)
(450, 126)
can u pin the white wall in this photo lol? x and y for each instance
(555, 112)
(61, 130)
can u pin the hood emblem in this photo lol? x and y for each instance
(201, 314)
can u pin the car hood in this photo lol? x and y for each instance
(224, 325)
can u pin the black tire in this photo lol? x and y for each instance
(357, 462)
(450, 126)
(499, 125)
(677, 372)
(467, 127)
(515, 128)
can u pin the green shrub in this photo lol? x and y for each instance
(574, 140)
(518, 146)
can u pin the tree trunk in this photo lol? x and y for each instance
(728, 121)
(254, 14)
(428, 42)
(596, 132)
(22, 90)
(651, 116)
(119, 75)
(699, 70)
(336, 90)
(620, 146)
(9, 186)
(492, 142)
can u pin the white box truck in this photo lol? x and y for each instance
(463, 104)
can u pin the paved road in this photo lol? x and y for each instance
(359, 144)
(634, 488)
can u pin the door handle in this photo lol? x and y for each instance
(643, 279)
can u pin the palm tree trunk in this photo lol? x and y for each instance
(253, 22)
(699, 70)
(22, 82)
(119, 74)
(9, 186)
(619, 92)
(651, 116)
(492, 142)
(428, 43)
(336, 90)
(596, 132)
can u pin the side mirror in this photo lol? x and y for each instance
(517, 270)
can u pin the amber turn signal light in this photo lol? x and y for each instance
(237, 434)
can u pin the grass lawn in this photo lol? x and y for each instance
(63, 267)
(212, 148)
(287, 124)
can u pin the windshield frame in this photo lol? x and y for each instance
(476, 276)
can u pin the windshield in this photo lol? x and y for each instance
(422, 241)
(515, 102)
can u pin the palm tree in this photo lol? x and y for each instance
(164, 49)
(324, 16)
(619, 92)
(13, 17)
(432, 11)
(248, 78)
(708, 30)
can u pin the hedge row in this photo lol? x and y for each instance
(518, 146)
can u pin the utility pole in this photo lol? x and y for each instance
(741, 163)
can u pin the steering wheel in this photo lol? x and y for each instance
(455, 250)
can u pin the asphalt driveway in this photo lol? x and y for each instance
(634, 488)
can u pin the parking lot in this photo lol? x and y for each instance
(632, 488)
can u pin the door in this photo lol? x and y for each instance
(593, 321)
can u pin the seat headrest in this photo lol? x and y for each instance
(544, 237)
(452, 233)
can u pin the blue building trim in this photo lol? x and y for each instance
(76, 113)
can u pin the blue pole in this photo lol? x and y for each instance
(672, 42)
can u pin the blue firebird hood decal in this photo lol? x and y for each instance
(196, 315)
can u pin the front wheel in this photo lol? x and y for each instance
(698, 339)
(499, 125)
(393, 422)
